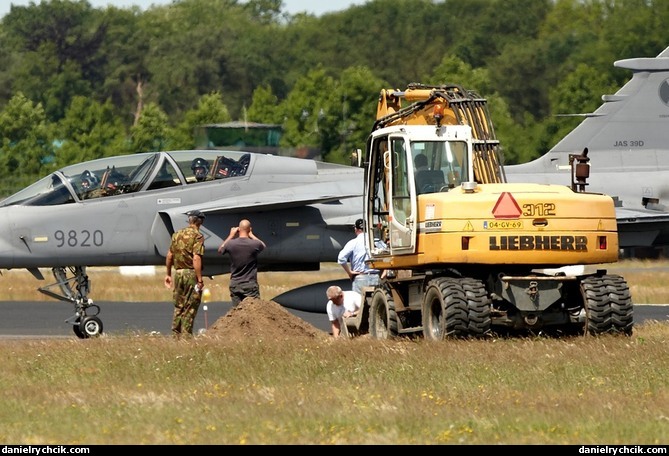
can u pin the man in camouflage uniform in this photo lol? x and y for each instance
(185, 254)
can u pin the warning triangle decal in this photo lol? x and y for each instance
(506, 207)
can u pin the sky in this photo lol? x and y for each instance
(316, 7)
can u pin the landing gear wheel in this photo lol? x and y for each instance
(89, 327)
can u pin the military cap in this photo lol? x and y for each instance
(196, 213)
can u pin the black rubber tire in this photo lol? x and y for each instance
(621, 305)
(382, 315)
(608, 305)
(90, 327)
(77, 331)
(479, 307)
(444, 309)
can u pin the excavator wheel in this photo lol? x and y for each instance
(382, 315)
(608, 305)
(478, 307)
(444, 309)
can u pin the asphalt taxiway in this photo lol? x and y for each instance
(39, 319)
(48, 318)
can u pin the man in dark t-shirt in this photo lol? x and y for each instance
(243, 247)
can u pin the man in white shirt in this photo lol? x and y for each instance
(341, 304)
(353, 258)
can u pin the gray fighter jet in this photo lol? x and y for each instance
(627, 142)
(122, 211)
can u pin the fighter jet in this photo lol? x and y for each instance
(626, 145)
(122, 211)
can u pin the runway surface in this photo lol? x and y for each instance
(26, 319)
(38, 319)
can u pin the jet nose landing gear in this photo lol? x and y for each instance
(85, 322)
(74, 289)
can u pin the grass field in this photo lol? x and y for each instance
(142, 389)
(155, 390)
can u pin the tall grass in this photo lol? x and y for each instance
(144, 389)
(154, 390)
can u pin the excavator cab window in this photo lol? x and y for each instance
(439, 165)
(456, 163)
(402, 231)
(427, 171)
(401, 197)
(379, 199)
(390, 206)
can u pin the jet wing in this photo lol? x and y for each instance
(271, 201)
(277, 199)
(641, 227)
(337, 205)
(624, 215)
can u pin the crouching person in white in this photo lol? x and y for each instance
(341, 304)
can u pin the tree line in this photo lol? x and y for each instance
(80, 83)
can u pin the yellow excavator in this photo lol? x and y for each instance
(466, 254)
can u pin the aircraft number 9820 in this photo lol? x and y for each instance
(83, 238)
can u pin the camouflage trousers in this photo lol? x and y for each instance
(239, 291)
(186, 302)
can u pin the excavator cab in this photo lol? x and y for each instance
(404, 164)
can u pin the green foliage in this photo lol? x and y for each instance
(151, 133)
(91, 131)
(452, 70)
(266, 11)
(264, 107)
(305, 110)
(515, 79)
(483, 28)
(60, 43)
(210, 109)
(26, 150)
(126, 50)
(352, 113)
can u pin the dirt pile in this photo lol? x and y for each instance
(262, 319)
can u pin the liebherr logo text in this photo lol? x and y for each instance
(576, 243)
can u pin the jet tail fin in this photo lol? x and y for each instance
(632, 117)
